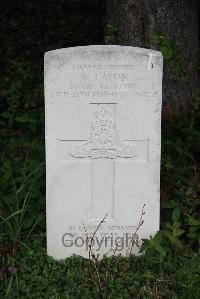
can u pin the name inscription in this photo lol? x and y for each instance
(104, 81)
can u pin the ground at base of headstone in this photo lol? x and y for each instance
(40, 276)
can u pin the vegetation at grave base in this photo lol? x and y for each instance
(39, 276)
(169, 266)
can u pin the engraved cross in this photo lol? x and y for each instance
(103, 148)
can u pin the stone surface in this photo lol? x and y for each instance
(103, 115)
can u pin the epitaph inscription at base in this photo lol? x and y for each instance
(102, 123)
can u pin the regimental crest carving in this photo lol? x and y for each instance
(105, 141)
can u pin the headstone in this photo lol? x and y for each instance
(103, 118)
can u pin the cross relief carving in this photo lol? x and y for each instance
(103, 149)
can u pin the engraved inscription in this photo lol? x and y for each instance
(103, 67)
(105, 81)
(95, 80)
(85, 94)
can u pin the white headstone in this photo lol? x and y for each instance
(103, 117)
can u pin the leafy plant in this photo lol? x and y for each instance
(111, 34)
(153, 244)
(173, 57)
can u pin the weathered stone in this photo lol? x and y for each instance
(103, 114)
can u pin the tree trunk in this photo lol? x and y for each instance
(138, 20)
